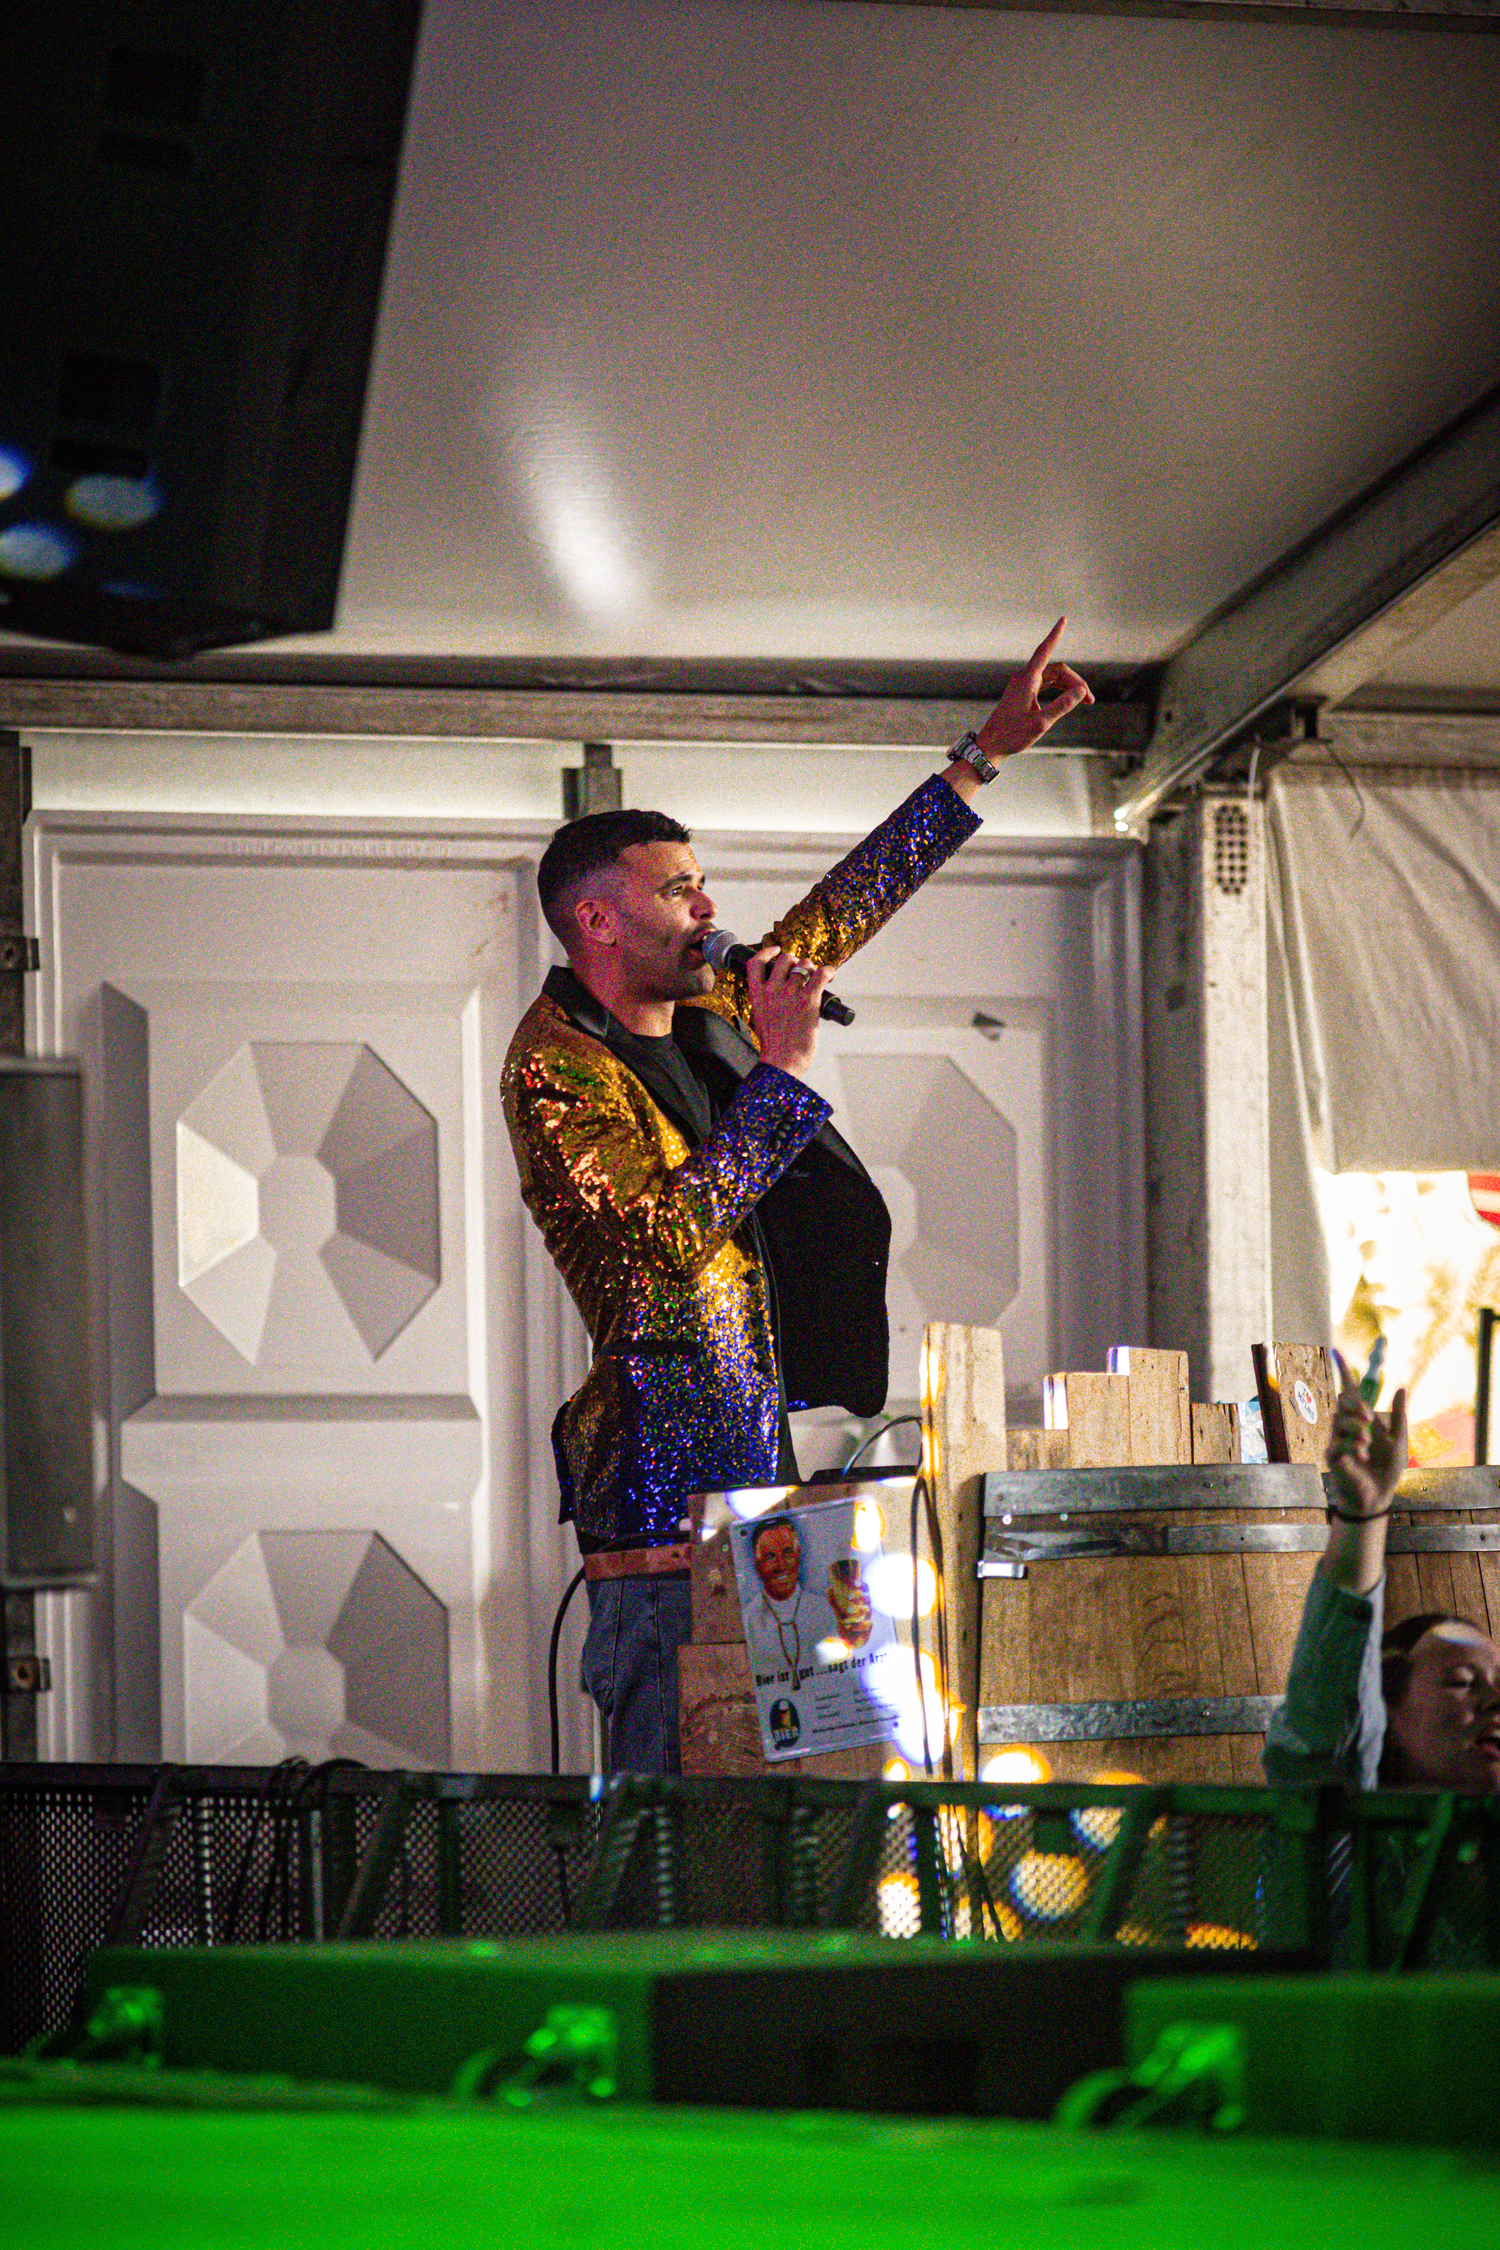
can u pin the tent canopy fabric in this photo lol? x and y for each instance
(1383, 936)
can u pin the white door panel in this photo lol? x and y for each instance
(952, 1128)
(309, 1360)
(312, 1232)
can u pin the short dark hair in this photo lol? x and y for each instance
(584, 848)
(773, 1523)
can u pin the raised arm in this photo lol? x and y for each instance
(856, 898)
(1332, 1723)
(1367, 1455)
(1035, 698)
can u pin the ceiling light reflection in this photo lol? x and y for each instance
(566, 482)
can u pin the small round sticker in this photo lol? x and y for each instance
(1303, 1400)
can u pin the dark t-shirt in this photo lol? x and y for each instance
(648, 1057)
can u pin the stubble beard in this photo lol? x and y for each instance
(688, 978)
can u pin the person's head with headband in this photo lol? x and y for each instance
(1440, 1677)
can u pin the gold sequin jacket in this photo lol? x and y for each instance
(652, 1235)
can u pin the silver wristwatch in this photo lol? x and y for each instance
(967, 748)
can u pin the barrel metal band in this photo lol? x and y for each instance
(1256, 1486)
(1005, 1549)
(1117, 1722)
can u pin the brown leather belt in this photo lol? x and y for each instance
(640, 1562)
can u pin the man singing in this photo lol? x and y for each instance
(725, 1248)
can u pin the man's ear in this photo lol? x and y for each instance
(596, 920)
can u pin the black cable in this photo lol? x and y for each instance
(873, 1437)
(282, 1783)
(1359, 795)
(237, 1888)
(918, 1492)
(921, 1495)
(557, 1625)
(310, 1794)
(945, 1673)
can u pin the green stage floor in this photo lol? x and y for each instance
(423, 2175)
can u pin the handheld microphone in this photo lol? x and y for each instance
(723, 950)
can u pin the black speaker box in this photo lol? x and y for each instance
(197, 202)
(765, 2019)
(46, 1462)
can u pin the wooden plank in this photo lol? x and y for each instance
(1113, 1662)
(1216, 1432)
(1098, 1421)
(1086, 1649)
(1200, 1624)
(1037, 1449)
(1468, 1590)
(1203, 1646)
(1457, 1582)
(1007, 1640)
(1161, 1429)
(1050, 1597)
(1230, 1597)
(963, 1434)
(1403, 1592)
(1157, 1639)
(1221, 1602)
(1276, 1586)
(1435, 1583)
(1192, 1760)
(720, 1731)
(1246, 1760)
(1297, 1399)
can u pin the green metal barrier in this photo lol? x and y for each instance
(180, 1856)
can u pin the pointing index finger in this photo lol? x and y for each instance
(1039, 655)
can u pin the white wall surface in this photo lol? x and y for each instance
(770, 788)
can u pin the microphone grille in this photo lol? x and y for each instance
(718, 946)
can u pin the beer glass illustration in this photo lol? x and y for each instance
(849, 1599)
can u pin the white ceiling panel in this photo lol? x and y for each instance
(751, 329)
(1457, 660)
(782, 330)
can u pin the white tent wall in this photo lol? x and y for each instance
(756, 786)
(204, 900)
(1383, 941)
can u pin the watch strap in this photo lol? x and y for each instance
(967, 748)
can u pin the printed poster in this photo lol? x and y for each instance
(829, 1672)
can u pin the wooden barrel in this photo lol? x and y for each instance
(1143, 1619)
